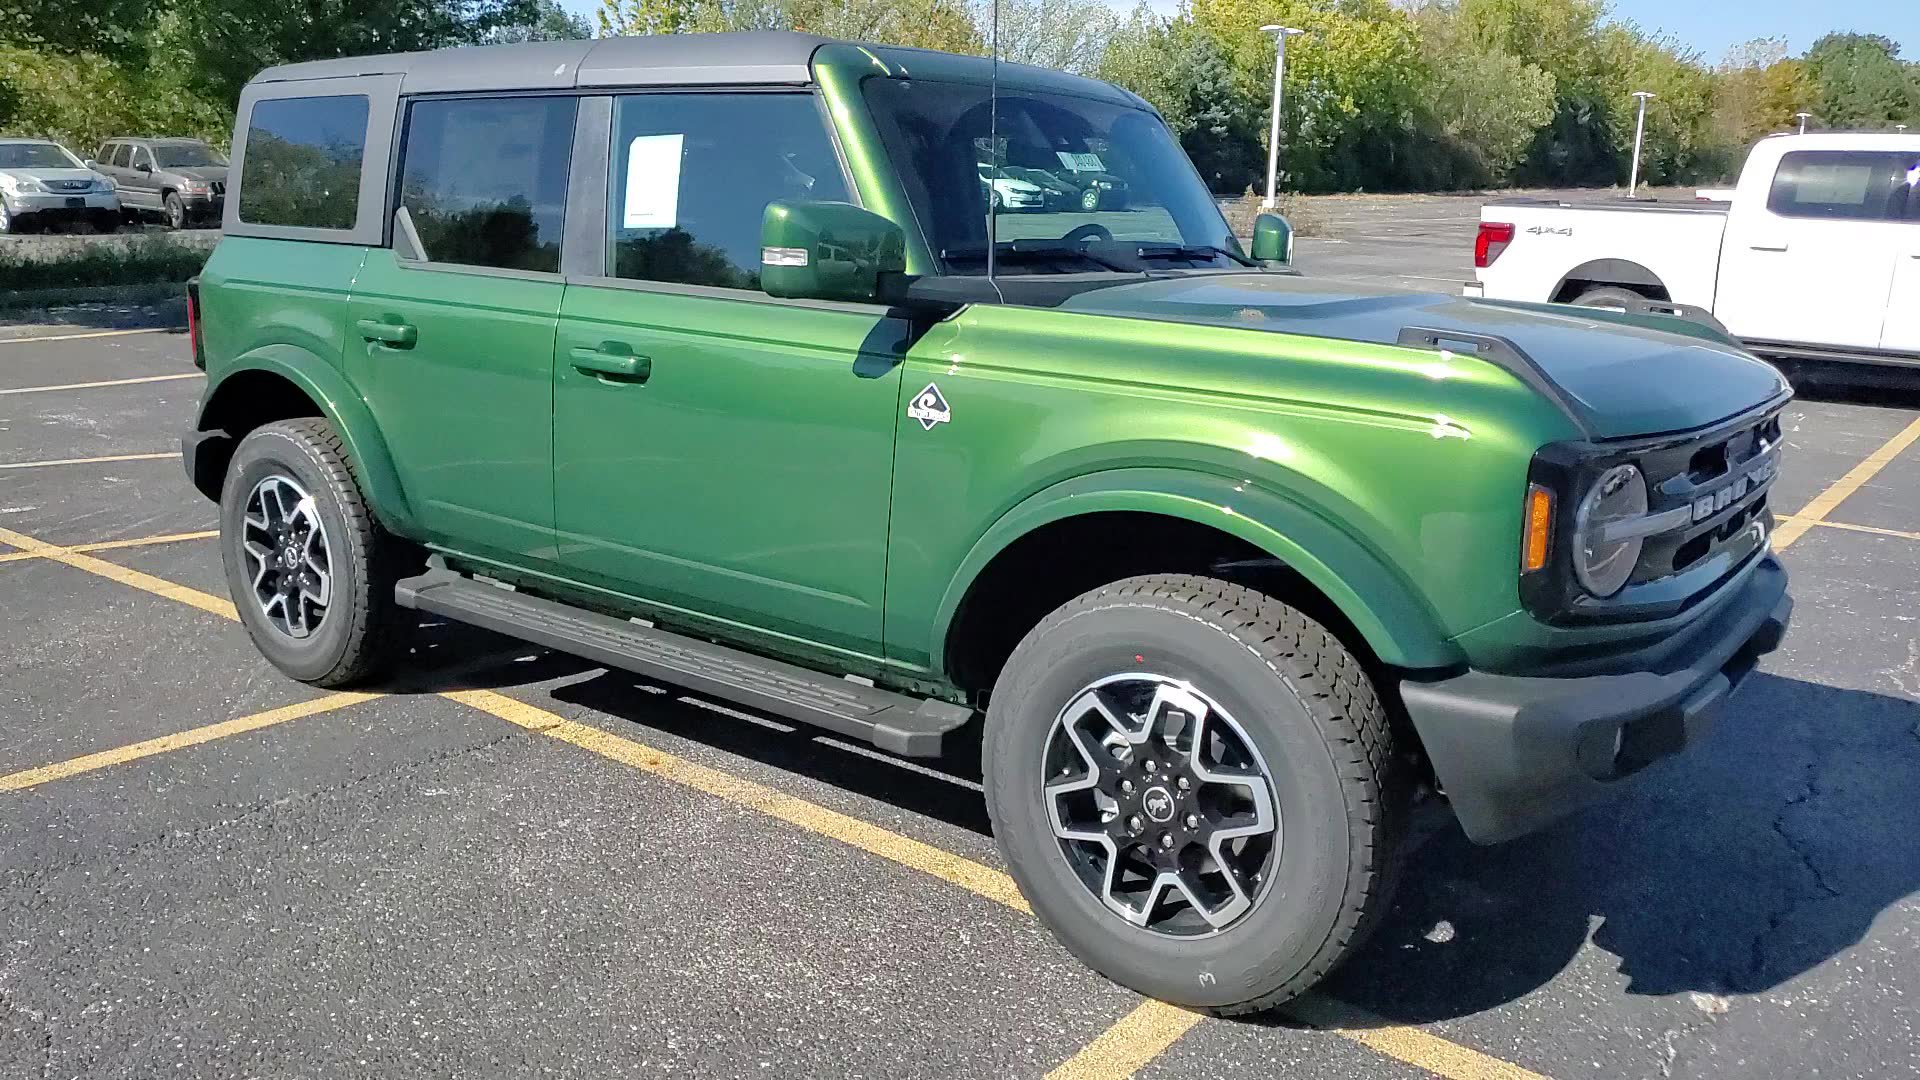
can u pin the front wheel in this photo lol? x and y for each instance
(1090, 199)
(176, 211)
(310, 570)
(1193, 785)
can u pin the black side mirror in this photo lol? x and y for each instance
(143, 167)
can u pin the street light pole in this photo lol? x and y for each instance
(1803, 117)
(1280, 36)
(1639, 133)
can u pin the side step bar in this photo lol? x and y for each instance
(898, 723)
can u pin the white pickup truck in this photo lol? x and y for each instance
(1816, 255)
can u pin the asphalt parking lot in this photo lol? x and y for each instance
(511, 863)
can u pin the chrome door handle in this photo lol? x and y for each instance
(611, 364)
(392, 335)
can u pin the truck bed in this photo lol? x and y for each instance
(1668, 250)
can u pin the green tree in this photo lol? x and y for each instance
(113, 28)
(551, 23)
(1486, 102)
(1860, 82)
(1067, 35)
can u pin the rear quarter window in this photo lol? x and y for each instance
(302, 162)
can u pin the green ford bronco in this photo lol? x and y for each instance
(704, 357)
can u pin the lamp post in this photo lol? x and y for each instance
(1280, 36)
(1639, 133)
(1899, 127)
(1803, 117)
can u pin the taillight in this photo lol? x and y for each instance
(193, 323)
(1490, 241)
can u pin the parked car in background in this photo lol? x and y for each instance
(183, 180)
(1814, 255)
(1092, 190)
(1009, 192)
(43, 184)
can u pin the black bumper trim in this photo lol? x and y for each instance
(1515, 752)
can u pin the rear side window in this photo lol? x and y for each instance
(302, 163)
(1847, 185)
(693, 174)
(485, 179)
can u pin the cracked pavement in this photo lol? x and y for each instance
(408, 887)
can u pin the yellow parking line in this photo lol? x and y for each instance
(1127, 1046)
(1859, 528)
(1825, 502)
(106, 382)
(1403, 1042)
(112, 545)
(60, 770)
(89, 334)
(87, 460)
(115, 572)
(1409, 1044)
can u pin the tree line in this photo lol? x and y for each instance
(1381, 95)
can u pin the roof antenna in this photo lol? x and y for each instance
(993, 153)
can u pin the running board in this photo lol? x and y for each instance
(909, 726)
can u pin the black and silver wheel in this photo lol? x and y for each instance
(1193, 785)
(310, 570)
(1090, 199)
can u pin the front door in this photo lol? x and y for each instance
(140, 179)
(1814, 265)
(716, 451)
(452, 327)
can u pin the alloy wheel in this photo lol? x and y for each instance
(287, 557)
(1161, 804)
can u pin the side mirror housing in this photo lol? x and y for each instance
(143, 167)
(831, 251)
(1272, 240)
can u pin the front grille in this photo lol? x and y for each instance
(1721, 481)
(219, 187)
(69, 185)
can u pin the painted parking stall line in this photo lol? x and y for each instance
(104, 383)
(108, 545)
(29, 339)
(160, 456)
(1815, 512)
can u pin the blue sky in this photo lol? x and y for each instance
(1710, 26)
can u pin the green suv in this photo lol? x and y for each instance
(703, 357)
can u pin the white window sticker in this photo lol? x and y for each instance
(1080, 162)
(653, 183)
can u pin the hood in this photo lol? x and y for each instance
(1615, 374)
(200, 172)
(52, 174)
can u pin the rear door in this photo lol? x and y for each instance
(1902, 330)
(1814, 264)
(717, 450)
(451, 326)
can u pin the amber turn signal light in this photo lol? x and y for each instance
(1534, 548)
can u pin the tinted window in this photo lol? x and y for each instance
(1853, 185)
(485, 179)
(188, 155)
(1063, 165)
(142, 157)
(123, 155)
(303, 162)
(693, 174)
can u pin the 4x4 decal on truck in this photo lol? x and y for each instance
(930, 408)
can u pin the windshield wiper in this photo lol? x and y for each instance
(1191, 251)
(1023, 252)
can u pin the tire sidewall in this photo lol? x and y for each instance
(175, 210)
(1292, 918)
(267, 452)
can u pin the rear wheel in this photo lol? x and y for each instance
(1193, 785)
(310, 570)
(1609, 296)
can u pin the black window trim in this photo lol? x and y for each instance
(593, 152)
(396, 166)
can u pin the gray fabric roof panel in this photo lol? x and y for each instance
(538, 65)
(770, 56)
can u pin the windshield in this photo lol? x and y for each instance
(36, 156)
(1067, 169)
(187, 155)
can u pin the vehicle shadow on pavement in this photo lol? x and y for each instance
(951, 793)
(1760, 855)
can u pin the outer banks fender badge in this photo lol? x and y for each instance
(930, 407)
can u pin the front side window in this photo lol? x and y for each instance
(1846, 184)
(36, 156)
(692, 175)
(485, 179)
(142, 157)
(1063, 170)
(302, 165)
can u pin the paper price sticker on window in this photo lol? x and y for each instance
(653, 182)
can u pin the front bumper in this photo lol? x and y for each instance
(61, 203)
(1515, 752)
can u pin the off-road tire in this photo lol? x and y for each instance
(1309, 706)
(1609, 296)
(363, 630)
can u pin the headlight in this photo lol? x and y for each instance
(1601, 567)
(105, 183)
(22, 183)
(196, 187)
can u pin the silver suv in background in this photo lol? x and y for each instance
(42, 184)
(183, 180)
